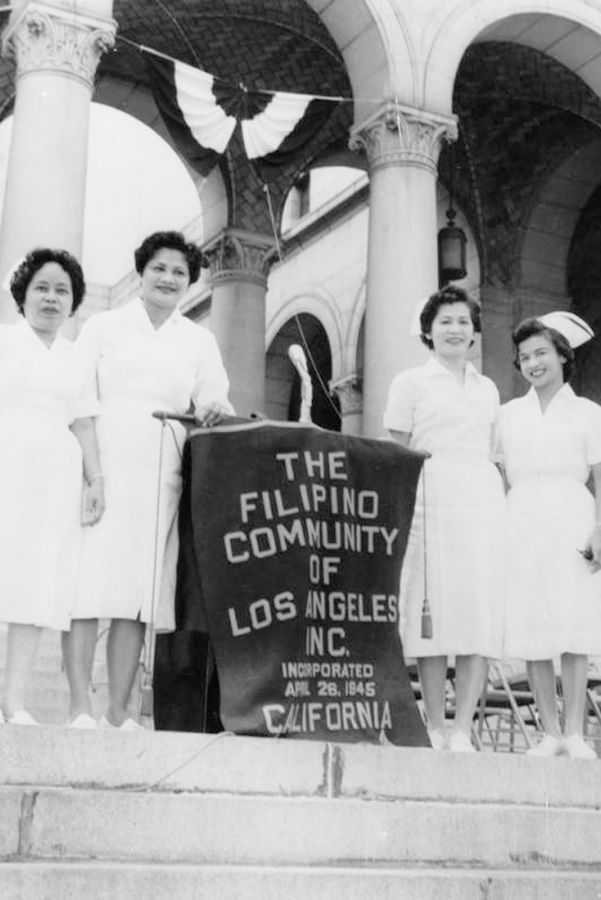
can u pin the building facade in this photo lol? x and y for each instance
(499, 104)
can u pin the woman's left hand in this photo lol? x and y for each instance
(93, 503)
(211, 414)
(594, 543)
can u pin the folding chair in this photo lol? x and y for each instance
(506, 714)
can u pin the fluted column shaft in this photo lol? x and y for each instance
(240, 262)
(56, 53)
(402, 147)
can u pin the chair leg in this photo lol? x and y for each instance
(512, 702)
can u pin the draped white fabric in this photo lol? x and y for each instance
(207, 121)
(266, 131)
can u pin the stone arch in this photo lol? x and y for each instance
(549, 230)
(321, 306)
(567, 26)
(375, 42)
(136, 100)
(583, 278)
(282, 386)
(355, 334)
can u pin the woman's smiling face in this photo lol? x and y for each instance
(540, 363)
(452, 330)
(165, 279)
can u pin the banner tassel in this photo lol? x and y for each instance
(426, 622)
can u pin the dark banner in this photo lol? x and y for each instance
(297, 536)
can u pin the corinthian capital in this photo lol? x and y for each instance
(237, 255)
(402, 136)
(46, 38)
(349, 391)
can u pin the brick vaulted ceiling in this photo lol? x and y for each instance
(521, 114)
(272, 44)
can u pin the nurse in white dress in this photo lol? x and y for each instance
(448, 409)
(147, 357)
(550, 442)
(47, 449)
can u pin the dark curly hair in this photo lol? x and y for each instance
(34, 261)
(529, 328)
(447, 294)
(171, 240)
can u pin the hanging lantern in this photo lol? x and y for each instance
(451, 251)
(451, 239)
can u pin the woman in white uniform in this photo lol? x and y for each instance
(47, 446)
(448, 409)
(550, 442)
(147, 357)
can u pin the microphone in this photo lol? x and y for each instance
(298, 359)
(183, 418)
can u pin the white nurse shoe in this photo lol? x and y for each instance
(83, 720)
(549, 746)
(127, 725)
(460, 742)
(22, 717)
(577, 748)
(438, 739)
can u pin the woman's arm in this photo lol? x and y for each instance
(210, 394)
(93, 507)
(594, 541)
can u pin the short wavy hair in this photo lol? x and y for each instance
(532, 327)
(170, 240)
(34, 261)
(447, 294)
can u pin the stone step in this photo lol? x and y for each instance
(229, 764)
(143, 825)
(124, 881)
(225, 800)
(49, 703)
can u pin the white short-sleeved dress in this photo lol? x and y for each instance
(554, 603)
(140, 369)
(464, 509)
(42, 391)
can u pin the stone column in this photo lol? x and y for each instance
(240, 262)
(402, 147)
(349, 391)
(56, 50)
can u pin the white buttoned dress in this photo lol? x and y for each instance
(139, 370)
(554, 602)
(464, 512)
(42, 392)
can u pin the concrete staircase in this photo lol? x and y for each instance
(188, 817)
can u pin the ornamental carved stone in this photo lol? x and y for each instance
(349, 391)
(44, 38)
(237, 255)
(401, 136)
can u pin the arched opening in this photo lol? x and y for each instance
(584, 285)
(124, 156)
(282, 387)
(319, 188)
(528, 136)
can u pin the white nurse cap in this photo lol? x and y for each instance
(574, 329)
